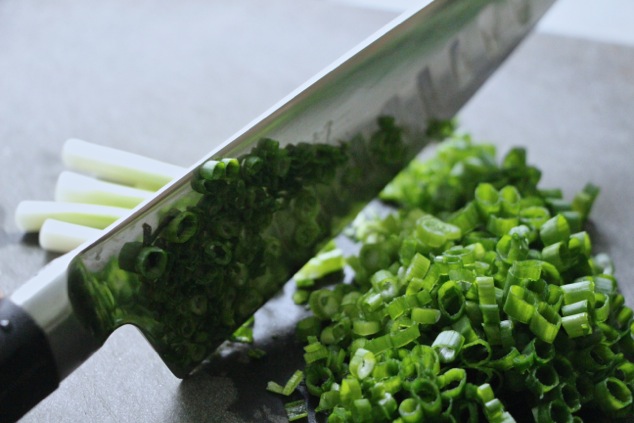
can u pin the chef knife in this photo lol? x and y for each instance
(194, 262)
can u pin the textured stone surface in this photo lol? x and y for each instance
(172, 79)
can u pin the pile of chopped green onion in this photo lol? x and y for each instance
(479, 299)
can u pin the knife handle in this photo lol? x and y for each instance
(28, 372)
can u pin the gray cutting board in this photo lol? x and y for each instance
(172, 79)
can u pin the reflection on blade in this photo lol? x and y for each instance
(199, 259)
(225, 247)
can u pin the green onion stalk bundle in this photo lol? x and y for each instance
(479, 299)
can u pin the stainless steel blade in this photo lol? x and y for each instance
(370, 109)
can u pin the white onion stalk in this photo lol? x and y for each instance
(75, 188)
(118, 166)
(61, 237)
(30, 215)
(84, 205)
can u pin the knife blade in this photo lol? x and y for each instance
(330, 146)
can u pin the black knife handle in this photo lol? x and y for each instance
(27, 367)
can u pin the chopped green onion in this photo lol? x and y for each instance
(569, 394)
(418, 267)
(296, 410)
(365, 328)
(467, 218)
(362, 410)
(575, 308)
(451, 300)
(475, 353)
(545, 322)
(350, 390)
(362, 363)
(448, 345)
(321, 265)
(487, 199)
(555, 230)
(601, 307)
(256, 353)
(324, 303)
(579, 291)
(501, 225)
(434, 232)
(577, 325)
(314, 352)
(584, 200)
(181, 228)
(542, 380)
(293, 382)
(212, 170)
(300, 296)
(401, 338)
(410, 411)
(425, 316)
(452, 383)
(519, 304)
(473, 290)
(379, 344)
(274, 387)
(308, 326)
(613, 395)
(552, 411)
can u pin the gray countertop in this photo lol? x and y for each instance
(171, 80)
